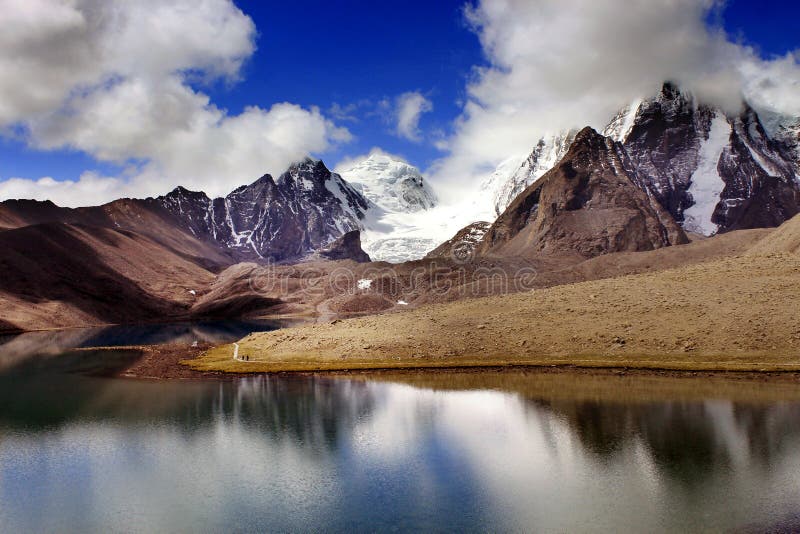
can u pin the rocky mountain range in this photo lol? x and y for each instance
(305, 209)
(664, 170)
(712, 172)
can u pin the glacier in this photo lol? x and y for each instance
(706, 184)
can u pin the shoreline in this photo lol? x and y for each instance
(569, 382)
(173, 362)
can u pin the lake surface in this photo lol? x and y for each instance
(15, 350)
(472, 452)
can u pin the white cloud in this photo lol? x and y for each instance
(556, 64)
(51, 49)
(81, 192)
(117, 80)
(409, 107)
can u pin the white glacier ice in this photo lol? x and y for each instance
(706, 183)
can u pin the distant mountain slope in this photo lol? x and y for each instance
(145, 217)
(392, 185)
(60, 275)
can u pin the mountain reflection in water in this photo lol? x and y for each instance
(278, 453)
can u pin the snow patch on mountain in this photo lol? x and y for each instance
(706, 184)
(399, 237)
(623, 122)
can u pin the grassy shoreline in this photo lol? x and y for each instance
(220, 359)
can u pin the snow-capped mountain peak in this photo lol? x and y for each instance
(391, 184)
(397, 225)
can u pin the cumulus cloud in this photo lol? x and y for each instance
(118, 80)
(556, 64)
(409, 107)
(52, 48)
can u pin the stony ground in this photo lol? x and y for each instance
(738, 313)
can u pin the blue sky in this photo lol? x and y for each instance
(318, 53)
(358, 53)
(355, 55)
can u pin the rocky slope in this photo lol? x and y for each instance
(589, 204)
(144, 217)
(65, 275)
(346, 247)
(784, 240)
(731, 314)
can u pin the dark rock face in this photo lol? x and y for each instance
(788, 136)
(676, 143)
(347, 247)
(304, 210)
(761, 189)
(589, 204)
(664, 145)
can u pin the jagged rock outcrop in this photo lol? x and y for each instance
(305, 209)
(461, 247)
(347, 247)
(589, 205)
